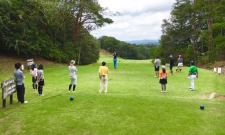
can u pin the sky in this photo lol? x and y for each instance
(139, 20)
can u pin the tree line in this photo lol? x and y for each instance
(58, 30)
(127, 50)
(195, 29)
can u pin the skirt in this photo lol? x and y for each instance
(163, 81)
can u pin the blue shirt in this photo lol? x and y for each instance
(18, 74)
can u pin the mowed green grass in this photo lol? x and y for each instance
(134, 104)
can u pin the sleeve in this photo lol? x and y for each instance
(160, 74)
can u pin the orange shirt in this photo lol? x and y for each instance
(161, 74)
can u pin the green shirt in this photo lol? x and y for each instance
(193, 69)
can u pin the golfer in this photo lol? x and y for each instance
(73, 75)
(33, 72)
(192, 74)
(171, 61)
(180, 63)
(19, 76)
(163, 78)
(157, 63)
(103, 75)
(115, 60)
(40, 79)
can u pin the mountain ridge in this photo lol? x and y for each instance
(144, 41)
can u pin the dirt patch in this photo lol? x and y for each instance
(7, 62)
(216, 64)
(104, 52)
(220, 96)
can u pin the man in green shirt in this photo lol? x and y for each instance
(192, 74)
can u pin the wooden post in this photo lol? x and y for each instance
(11, 99)
(4, 103)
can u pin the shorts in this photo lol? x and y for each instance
(41, 82)
(171, 66)
(180, 64)
(156, 68)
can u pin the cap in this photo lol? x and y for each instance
(33, 65)
(171, 55)
(72, 61)
(163, 67)
(192, 63)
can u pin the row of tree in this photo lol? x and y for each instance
(59, 30)
(126, 50)
(54, 29)
(195, 29)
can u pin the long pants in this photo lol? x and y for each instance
(115, 63)
(40, 89)
(20, 93)
(103, 83)
(192, 80)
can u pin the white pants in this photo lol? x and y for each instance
(192, 80)
(103, 83)
(73, 80)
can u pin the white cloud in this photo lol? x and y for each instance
(141, 19)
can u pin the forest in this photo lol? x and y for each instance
(59, 30)
(195, 29)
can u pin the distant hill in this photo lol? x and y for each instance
(144, 41)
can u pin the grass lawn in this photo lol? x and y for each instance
(134, 104)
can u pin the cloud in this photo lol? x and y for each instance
(140, 19)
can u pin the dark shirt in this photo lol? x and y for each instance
(115, 55)
(171, 61)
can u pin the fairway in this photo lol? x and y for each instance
(134, 104)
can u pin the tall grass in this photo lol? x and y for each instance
(134, 104)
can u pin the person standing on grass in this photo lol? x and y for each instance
(40, 79)
(33, 72)
(171, 61)
(192, 74)
(157, 63)
(103, 75)
(115, 60)
(163, 75)
(19, 76)
(73, 76)
(180, 63)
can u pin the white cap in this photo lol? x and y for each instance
(72, 62)
(163, 67)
